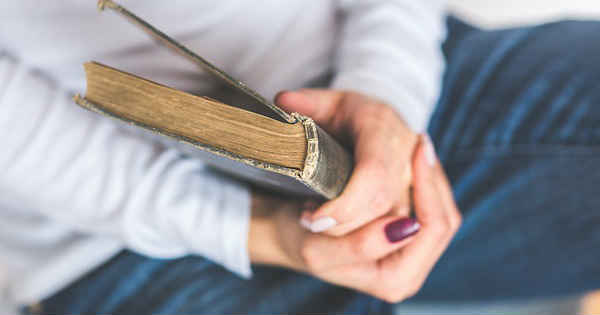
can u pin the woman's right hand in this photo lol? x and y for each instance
(389, 258)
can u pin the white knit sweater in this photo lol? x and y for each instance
(76, 188)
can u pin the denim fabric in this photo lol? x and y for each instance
(518, 131)
(517, 128)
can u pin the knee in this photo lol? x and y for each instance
(576, 42)
(525, 85)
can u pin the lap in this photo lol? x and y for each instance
(517, 130)
(535, 85)
(133, 284)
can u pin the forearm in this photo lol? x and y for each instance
(270, 215)
(263, 247)
(392, 50)
(88, 174)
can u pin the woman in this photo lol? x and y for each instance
(515, 128)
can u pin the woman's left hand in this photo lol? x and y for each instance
(389, 258)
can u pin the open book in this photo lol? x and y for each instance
(291, 154)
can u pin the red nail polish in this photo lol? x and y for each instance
(400, 229)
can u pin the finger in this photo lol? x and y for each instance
(320, 105)
(379, 182)
(381, 176)
(410, 266)
(373, 241)
(429, 203)
(371, 192)
(404, 201)
(443, 185)
(307, 208)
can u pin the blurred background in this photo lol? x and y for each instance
(500, 13)
(507, 13)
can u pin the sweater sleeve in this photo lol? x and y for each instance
(391, 49)
(90, 174)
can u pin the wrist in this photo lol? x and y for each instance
(265, 244)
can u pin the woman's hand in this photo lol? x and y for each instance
(383, 146)
(389, 257)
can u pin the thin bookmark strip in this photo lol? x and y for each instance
(185, 52)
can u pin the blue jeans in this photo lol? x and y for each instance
(517, 128)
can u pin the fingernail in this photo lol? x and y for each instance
(305, 223)
(429, 151)
(400, 229)
(305, 220)
(322, 224)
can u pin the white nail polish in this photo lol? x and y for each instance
(322, 224)
(430, 151)
(305, 223)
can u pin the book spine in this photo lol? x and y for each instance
(328, 165)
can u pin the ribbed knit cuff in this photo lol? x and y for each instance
(236, 222)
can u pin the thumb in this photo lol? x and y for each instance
(320, 105)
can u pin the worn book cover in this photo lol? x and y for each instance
(290, 154)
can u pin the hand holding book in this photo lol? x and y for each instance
(389, 257)
(383, 146)
(369, 191)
